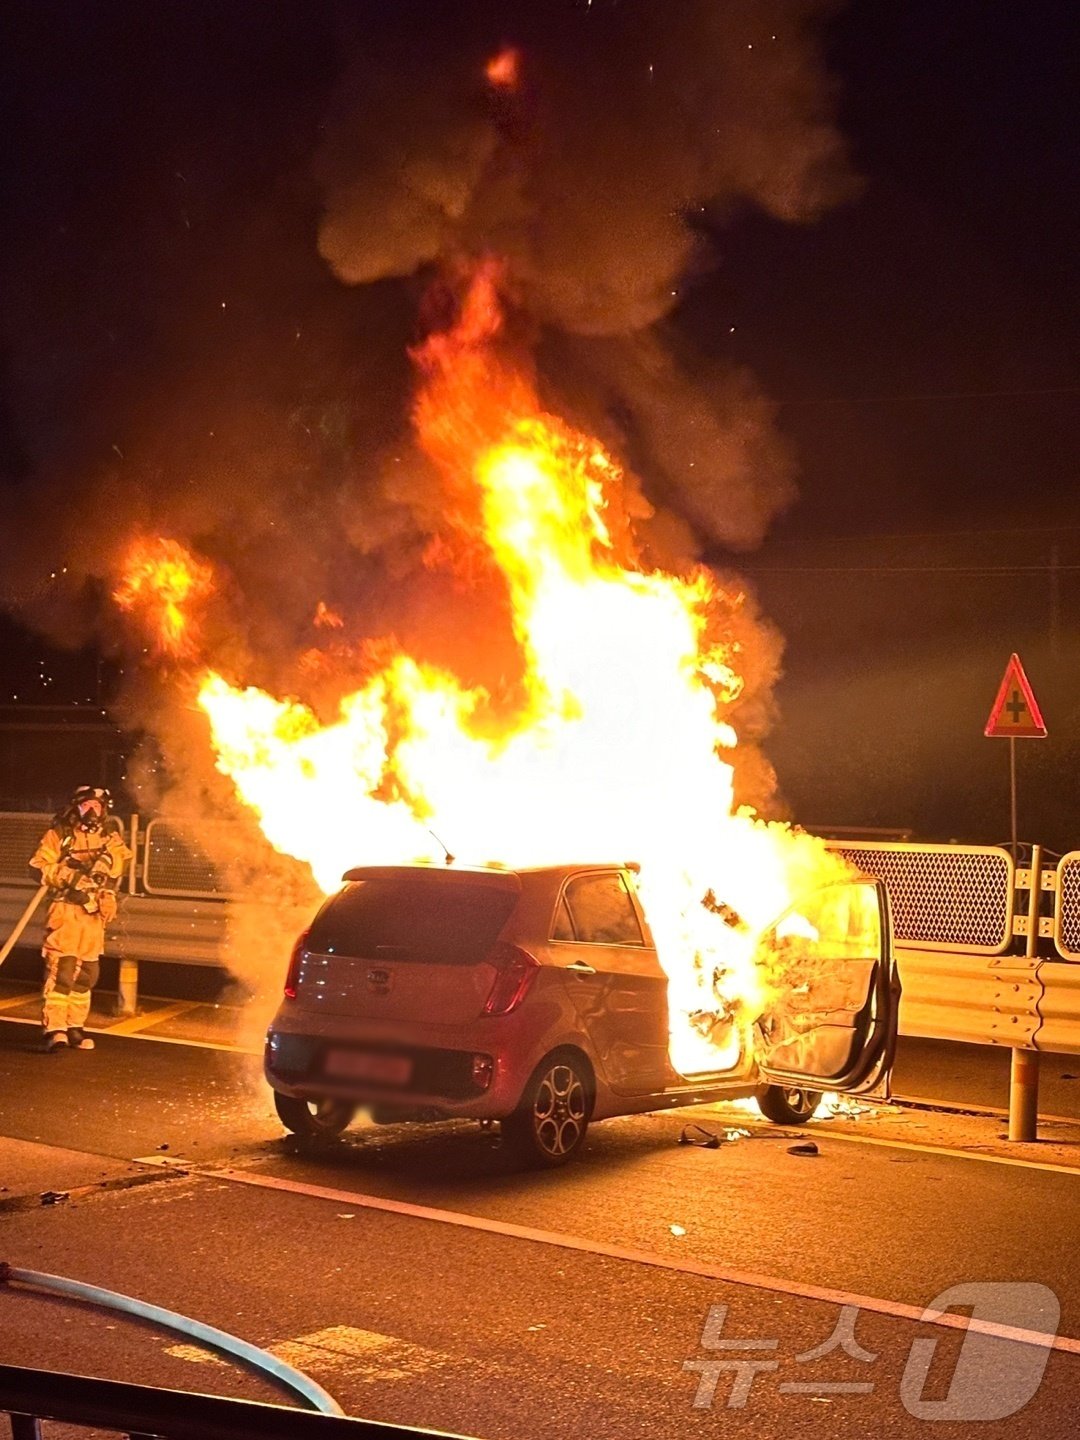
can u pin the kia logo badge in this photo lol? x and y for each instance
(379, 981)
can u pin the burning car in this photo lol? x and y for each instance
(536, 997)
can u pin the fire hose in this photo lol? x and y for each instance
(208, 1335)
(21, 924)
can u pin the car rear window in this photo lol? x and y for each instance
(430, 919)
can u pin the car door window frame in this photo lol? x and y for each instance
(563, 907)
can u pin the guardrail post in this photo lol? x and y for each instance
(1024, 1095)
(1024, 1064)
(127, 998)
(25, 1427)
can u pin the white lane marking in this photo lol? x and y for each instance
(364, 1353)
(925, 1149)
(894, 1308)
(195, 1354)
(925, 1102)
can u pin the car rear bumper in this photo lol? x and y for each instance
(443, 1081)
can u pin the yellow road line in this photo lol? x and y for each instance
(14, 1001)
(151, 1018)
(157, 1039)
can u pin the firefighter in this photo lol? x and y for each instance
(81, 858)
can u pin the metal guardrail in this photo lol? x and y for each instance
(147, 927)
(978, 999)
(962, 917)
(171, 858)
(1067, 907)
(20, 832)
(958, 898)
(143, 1411)
(980, 957)
(175, 861)
(1059, 1007)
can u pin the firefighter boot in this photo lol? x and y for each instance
(55, 1040)
(84, 979)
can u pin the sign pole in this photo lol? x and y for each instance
(1015, 715)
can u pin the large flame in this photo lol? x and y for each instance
(165, 584)
(619, 749)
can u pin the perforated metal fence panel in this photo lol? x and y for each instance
(176, 862)
(20, 832)
(944, 897)
(1067, 907)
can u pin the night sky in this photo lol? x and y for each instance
(912, 333)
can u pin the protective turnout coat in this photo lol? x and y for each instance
(82, 869)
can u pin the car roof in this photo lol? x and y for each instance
(493, 874)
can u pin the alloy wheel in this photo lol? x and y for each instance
(559, 1110)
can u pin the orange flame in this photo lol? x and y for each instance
(327, 619)
(163, 583)
(503, 70)
(619, 748)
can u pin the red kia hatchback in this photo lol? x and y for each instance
(535, 998)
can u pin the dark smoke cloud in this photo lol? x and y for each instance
(633, 128)
(190, 186)
(703, 434)
(629, 121)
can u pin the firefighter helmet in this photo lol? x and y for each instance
(88, 807)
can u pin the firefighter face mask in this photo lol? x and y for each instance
(91, 812)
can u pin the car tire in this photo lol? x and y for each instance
(786, 1104)
(548, 1127)
(313, 1119)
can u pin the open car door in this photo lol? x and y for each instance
(828, 965)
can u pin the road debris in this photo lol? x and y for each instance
(54, 1197)
(709, 1141)
(805, 1147)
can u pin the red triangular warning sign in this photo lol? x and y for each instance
(1016, 712)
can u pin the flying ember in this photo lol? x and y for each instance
(618, 747)
(503, 69)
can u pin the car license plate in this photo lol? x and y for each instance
(368, 1065)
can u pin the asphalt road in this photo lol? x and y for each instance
(520, 1304)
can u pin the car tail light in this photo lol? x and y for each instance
(292, 975)
(517, 970)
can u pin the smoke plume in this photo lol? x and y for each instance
(212, 308)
